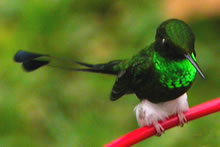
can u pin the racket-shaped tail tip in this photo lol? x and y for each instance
(30, 61)
(32, 65)
(22, 56)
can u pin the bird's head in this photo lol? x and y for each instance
(175, 40)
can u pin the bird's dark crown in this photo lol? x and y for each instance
(174, 39)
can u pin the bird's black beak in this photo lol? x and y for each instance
(189, 57)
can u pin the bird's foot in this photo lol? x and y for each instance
(149, 114)
(160, 130)
(182, 119)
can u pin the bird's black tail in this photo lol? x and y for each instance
(32, 61)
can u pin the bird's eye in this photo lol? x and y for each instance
(163, 41)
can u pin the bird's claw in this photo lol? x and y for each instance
(160, 130)
(182, 119)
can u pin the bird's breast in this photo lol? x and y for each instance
(173, 74)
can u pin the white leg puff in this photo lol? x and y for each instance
(148, 113)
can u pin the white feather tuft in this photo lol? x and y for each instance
(148, 113)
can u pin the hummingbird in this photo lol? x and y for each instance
(159, 74)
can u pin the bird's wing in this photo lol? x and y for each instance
(133, 76)
(122, 84)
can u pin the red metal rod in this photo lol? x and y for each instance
(146, 132)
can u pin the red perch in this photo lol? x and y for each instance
(140, 134)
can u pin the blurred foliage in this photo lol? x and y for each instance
(58, 108)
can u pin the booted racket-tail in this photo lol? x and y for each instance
(159, 75)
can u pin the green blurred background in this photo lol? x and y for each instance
(56, 108)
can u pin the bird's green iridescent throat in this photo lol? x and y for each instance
(174, 74)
